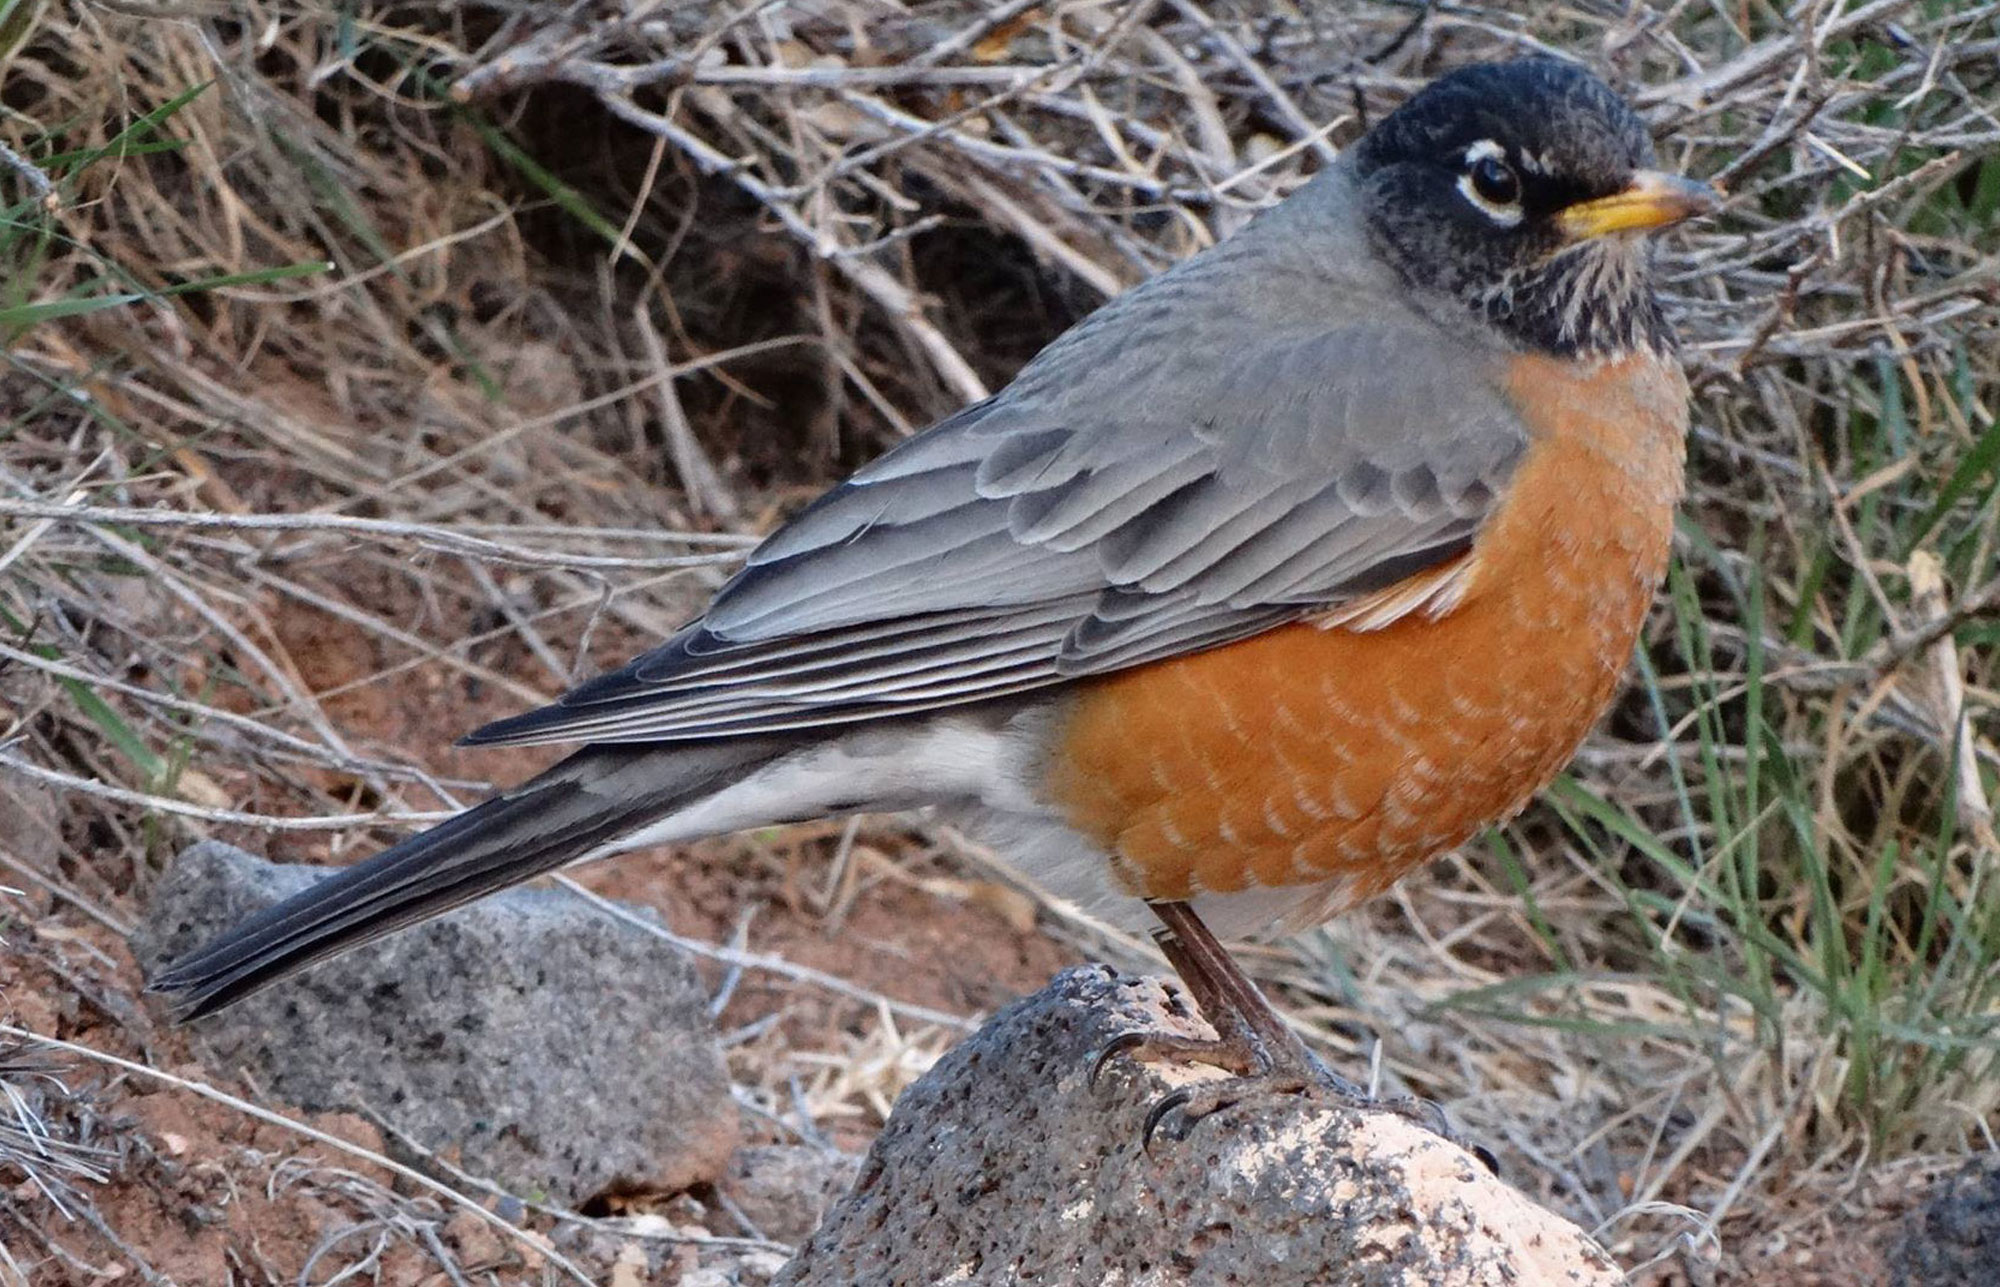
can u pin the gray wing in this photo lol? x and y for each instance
(1102, 512)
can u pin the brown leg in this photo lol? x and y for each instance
(1250, 1039)
(1228, 999)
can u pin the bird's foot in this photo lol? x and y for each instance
(1257, 1070)
(1251, 1041)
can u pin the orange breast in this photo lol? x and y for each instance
(1336, 756)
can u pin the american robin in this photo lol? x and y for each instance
(1275, 577)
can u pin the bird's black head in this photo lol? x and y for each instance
(1523, 190)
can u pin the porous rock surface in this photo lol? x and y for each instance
(1953, 1239)
(528, 1037)
(1003, 1165)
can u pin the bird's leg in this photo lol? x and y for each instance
(1250, 1039)
(1231, 1003)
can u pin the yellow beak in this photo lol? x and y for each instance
(1653, 199)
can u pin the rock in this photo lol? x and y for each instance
(1953, 1239)
(785, 1189)
(1003, 1165)
(527, 1037)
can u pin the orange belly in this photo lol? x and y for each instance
(1341, 758)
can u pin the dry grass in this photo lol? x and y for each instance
(374, 372)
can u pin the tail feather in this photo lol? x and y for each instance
(587, 802)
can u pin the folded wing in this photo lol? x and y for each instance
(1113, 508)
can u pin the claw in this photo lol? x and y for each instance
(1168, 1102)
(1123, 1043)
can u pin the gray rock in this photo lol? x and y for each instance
(528, 1037)
(1953, 1239)
(786, 1189)
(1002, 1165)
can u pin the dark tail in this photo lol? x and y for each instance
(597, 796)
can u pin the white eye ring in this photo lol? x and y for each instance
(1506, 215)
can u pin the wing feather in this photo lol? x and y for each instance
(1090, 506)
(1095, 516)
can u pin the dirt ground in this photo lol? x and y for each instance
(197, 1192)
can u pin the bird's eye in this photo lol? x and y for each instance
(1490, 184)
(1496, 181)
